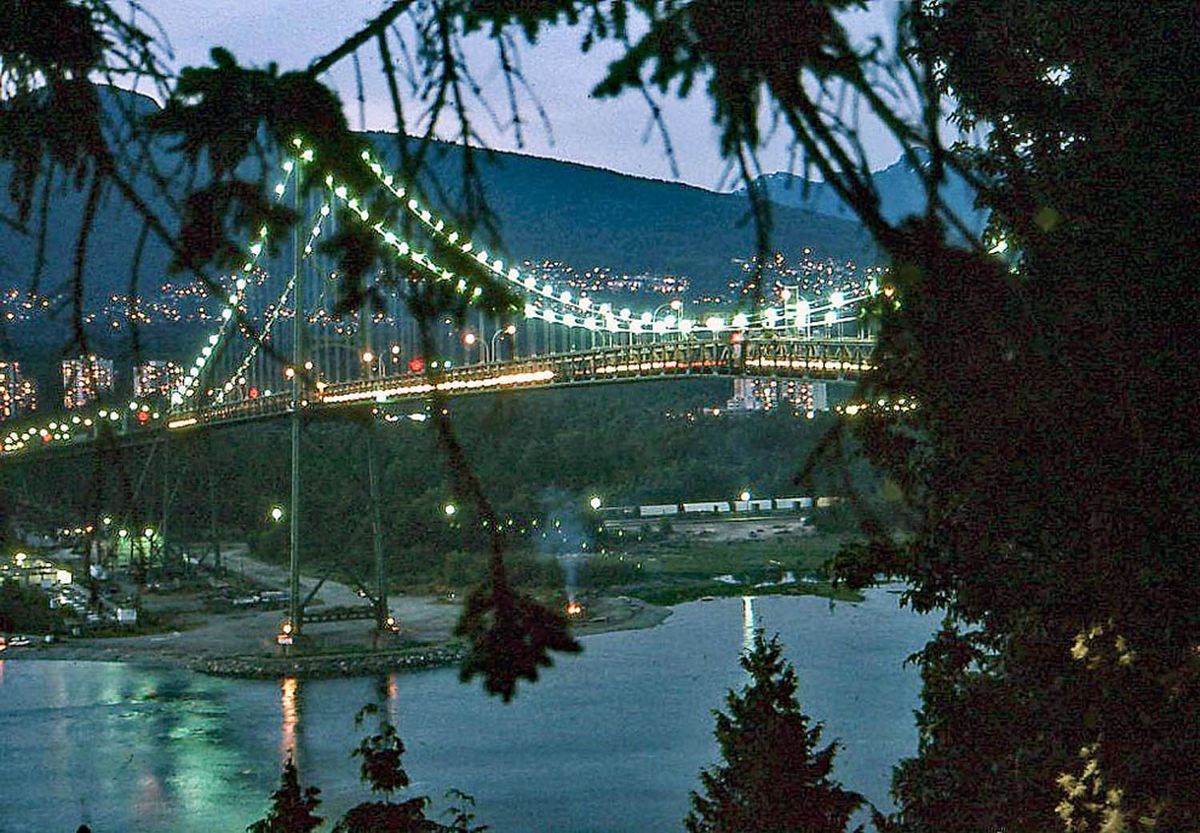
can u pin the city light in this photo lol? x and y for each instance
(595, 503)
(570, 309)
(285, 636)
(449, 509)
(276, 513)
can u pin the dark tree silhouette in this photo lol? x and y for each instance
(291, 807)
(382, 769)
(775, 777)
(1052, 465)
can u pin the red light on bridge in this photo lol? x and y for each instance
(416, 365)
(737, 338)
(143, 417)
(253, 393)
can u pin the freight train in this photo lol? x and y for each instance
(717, 507)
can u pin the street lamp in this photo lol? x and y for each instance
(595, 503)
(511, 329)
(744, 497)
(675, 305)
(276, 513)
(449, 509)
(469, 340)
(368, 359)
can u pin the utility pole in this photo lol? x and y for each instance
(166, 491)
(295, 614)
(218, 567)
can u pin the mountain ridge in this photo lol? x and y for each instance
(900, 188)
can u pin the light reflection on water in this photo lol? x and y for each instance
(617, 735)
(748, 626)
(288, 701)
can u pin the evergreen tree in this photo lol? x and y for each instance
(775, 775)
(291, 809)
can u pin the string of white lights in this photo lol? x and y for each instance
(582, 312)
(238, 375)
(545, 302)
(189, 385)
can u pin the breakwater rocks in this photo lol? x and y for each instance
(330, 665)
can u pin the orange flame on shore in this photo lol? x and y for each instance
(574, 609)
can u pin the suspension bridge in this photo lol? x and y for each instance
(282, 349)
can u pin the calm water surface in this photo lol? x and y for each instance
(608, 741)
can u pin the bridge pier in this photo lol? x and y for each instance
(381, 600)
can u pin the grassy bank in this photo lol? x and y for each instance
(679, 569)
(675, 568)
(672, 594)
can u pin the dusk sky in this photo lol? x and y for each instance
(607, 133)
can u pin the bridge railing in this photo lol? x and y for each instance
(797, 358)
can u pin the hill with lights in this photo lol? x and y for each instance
(544, 210)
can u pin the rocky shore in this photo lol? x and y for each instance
(241, 643)
(318, 666)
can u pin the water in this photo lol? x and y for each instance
(607, 741)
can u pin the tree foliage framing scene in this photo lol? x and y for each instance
(942, 247)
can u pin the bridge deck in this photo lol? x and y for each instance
(778, 357)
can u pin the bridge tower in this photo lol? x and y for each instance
(295, 610)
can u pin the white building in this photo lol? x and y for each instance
(155, 379)
(759, 394)
(85, 380)
(18, 395)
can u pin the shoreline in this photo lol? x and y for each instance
(160, 651)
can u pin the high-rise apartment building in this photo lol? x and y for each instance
(752, 394)
(155, 378)
(18, 395)
(85, 379)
